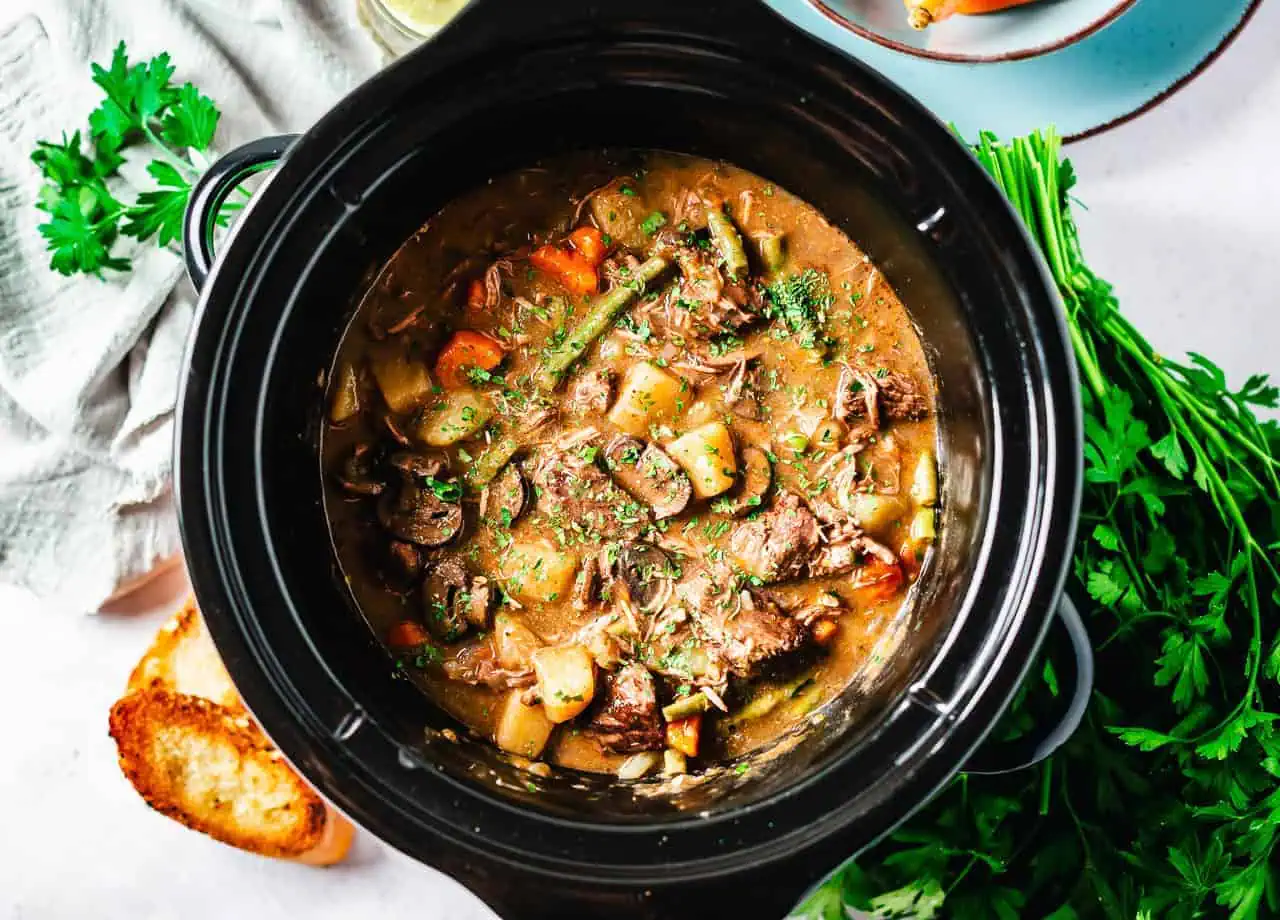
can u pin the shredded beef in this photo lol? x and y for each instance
(746, 631)
(890, 396)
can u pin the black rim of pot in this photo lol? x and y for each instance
(361, 770)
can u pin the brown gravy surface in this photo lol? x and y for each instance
(417, 300)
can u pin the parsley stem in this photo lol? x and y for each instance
(177, 161)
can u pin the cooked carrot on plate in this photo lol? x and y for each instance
(923, 13)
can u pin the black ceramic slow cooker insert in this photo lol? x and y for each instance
(500, 87)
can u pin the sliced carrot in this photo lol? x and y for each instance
(568, 267)
(824, 631)
(589, 242)
(407, 634)
(684, 734)
(877, 582)
(465, 350)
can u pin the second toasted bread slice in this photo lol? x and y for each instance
(182, 658)
(214, 771)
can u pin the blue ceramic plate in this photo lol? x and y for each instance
(1021, 32)
(1114, 75)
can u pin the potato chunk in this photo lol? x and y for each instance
(522, 729)
(875, 513)
(566, 680)
(403, 382)
(460, 415)
(706, 453)
(514, 642)
(648, 395)
(535, 571)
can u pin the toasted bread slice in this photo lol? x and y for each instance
(182, 658)
(213, 770)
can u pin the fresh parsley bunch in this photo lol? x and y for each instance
(1166, 803)
(141, 106)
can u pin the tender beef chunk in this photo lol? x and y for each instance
(581, 496)
(893, 396)
(504, 499)
(627, 719)
(901, 397)
(591, 391)
(777, 545)
(747, 631)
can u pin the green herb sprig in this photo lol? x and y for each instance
(141, 105)
(1166, 803)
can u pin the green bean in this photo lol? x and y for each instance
(771, 251)
(596, 322)
(686, 706)
(766, 699)
(491, 461)
(728, 241)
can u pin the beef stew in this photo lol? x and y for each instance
(630, 461)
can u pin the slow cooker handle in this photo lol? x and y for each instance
(210, 193)
(995, 758)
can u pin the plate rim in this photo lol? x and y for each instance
(1177, 85)
(949, 57)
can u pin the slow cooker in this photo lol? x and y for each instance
(501, 86)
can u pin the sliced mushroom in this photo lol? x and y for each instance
(426, 465)
(756, 480)
(417, 515)
(504, 498)
(649, 475)
(357, 472)
(646, 572)
(441, 605)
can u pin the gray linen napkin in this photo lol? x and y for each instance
(89, 368)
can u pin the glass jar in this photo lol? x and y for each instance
(399, 26)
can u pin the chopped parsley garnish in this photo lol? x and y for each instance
(445, 491)
(801, 301)
(653, 223)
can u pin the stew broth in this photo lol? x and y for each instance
(722, 503)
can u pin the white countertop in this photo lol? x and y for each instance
(1182, 217)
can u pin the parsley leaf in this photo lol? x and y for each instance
(1166, 801)
(141, 106)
